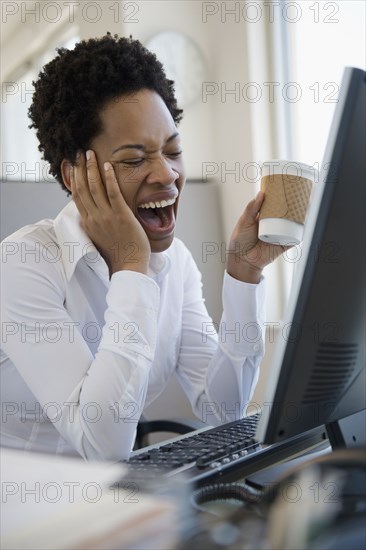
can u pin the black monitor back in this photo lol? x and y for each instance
(319, 371)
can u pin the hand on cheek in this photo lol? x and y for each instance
(106, 217)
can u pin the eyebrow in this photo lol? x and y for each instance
(140, 146)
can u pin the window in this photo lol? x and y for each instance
(21, 160)
(312, 43)
(329, 37)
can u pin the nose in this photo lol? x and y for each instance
(162, 173)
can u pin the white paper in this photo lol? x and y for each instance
(51, 502)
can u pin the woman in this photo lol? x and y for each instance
(102, 305)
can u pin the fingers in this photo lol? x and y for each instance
(80, 189)
(92, 197)
(250, 214)
(95, 184)
(88, 187)
(115, 197)
(255, 205)
(75, 194)
(88, 190)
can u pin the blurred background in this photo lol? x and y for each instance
(258, 80)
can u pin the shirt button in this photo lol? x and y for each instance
(256, 347)
(147, 348)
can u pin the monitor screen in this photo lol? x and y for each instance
(318, 373)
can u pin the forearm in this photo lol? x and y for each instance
(234, 369)
(94, 401)
(219, 370)
(100, 416)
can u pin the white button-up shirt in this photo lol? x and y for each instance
(83, 354)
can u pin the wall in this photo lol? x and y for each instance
(223, 131)
(215, 131)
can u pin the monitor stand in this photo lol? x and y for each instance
(349, 432)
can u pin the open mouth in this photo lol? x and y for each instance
(157, 216)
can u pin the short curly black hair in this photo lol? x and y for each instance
(73, 87)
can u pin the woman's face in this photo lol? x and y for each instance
(140, 139)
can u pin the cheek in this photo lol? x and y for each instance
(129, 182)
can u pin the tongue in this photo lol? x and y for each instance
(150, 218)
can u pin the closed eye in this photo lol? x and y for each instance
(174, 155)
(138, 161)
(132, 162)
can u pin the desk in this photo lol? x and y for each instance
(322, 504)
(150, 521)
(51, 502)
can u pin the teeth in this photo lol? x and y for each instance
(158, 204)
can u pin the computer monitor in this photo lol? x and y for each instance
(318, 373)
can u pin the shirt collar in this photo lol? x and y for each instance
(75, 244)
(159, 266)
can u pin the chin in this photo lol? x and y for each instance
(161, 245)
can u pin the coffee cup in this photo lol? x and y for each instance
(287, 187)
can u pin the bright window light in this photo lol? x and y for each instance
(328, 37)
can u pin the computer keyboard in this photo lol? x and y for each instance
(200, 455)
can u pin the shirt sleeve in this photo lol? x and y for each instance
(96, 401)
(219, 366)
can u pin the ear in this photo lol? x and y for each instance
(66, 167)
